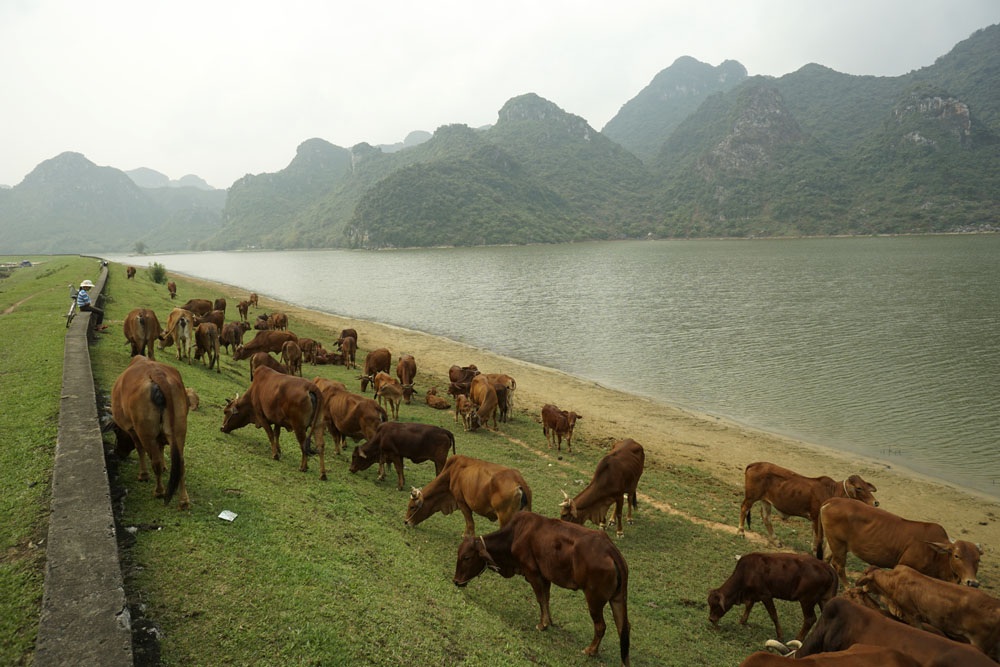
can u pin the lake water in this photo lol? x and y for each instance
(888, 347)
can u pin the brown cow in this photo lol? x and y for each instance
(375, 361)
(884, 539)
(149, 404)
(199, 307)
(291, 356)
(242, 307)
(471, 485)
(345, 415)
(346, 333)
(457, 389)
(406, 371)
(548, 551)
(956, 610)
(263, 322)
(462, 373)
(394, 441)
(232, 335)
(277, 321)
(844, 624)
(252, 299)
(435, 401)
(859, 655)
(390, 393)
(265, 359)
(220, 304)
(558, 424)
(617, 476)
(265, 341)
(505, 387)
(309, 348)
(130, 272)
(275, 401)
(180, 330)
(216, 317)
(349, 349)
(484, 398)
(141, 329)
(794, 495)
(464, 409)
(172, 289)
(764, 577)
(206, 342)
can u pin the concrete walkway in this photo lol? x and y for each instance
(84, 619)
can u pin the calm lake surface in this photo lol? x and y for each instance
(888, 347)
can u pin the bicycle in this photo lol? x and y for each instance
(71, 313)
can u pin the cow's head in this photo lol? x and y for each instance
(360, 460)
(963, 560)
(408, 392)
(365, 379)
(415, 512)
(567, 509)
(859, 489)
(473, 558)
(240, 353)
(237, 413)
(718, 605)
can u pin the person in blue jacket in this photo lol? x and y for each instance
(83, 303)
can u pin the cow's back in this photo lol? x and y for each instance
(874, 535)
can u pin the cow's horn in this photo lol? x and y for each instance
(777, 647)
(414, 492)
(565, 499)
(794, 644)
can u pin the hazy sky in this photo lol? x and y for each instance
(223, 88)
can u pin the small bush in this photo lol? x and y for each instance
(158, 273)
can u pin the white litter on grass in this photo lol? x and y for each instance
(226, 515)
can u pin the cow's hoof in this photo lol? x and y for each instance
(322, 477)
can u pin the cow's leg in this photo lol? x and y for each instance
(619, 531)
(745, 508)
(272, 438)
(300, 435)
(746, 612)
(765, 516)
(808, 619)
(321, 451)
(596, 607)
(154, 447)
(773, 613)
(541, 586)
(398, 462)
(470, 526)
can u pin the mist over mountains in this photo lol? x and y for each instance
(701, 151)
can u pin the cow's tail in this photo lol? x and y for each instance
(452, 437)
(619, 608)
(820, 533)
(168, 415)
(316, 398)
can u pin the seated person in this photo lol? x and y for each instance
(84, 304)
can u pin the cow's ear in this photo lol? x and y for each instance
(416, 494)
(940, 547)
(360, 452)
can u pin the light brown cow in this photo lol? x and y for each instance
(232, 335)
(954, 609)
(390, 393)
(277, 321)
(406, 371)
(199, 307)
(291, 356)
(484, 398)
(464, 409)
(471, 486)
(859, 655)
(265, 359)
(252, 299)
(149, 405)
(615, 478)
(886, 540)
(193, 399)
(216, 317)
(142, 329)
(172, 289)
(265, 341)
(180, 330)
(377, 360)
(206, 343)
(435, 401)
(505, 387)
(309, 348)
(558, 424)
(795, 495)
(349, 349)
(345, 415)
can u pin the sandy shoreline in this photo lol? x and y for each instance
(720, 447)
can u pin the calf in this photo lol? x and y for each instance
(558, 424)
(193, 399)
(762, 577)
(464, 409)
(859, 655)
(435, 401)
(390, 393)
(252, 299)
(180, 329)
(172, 289)
(394, 441)
(349, 350)
(206, 339)
(345, 415)
(220, 304)
(291, 356)
(548, 551)
(242, 308)
(130, 272)
(309, 349)
(232, 335)
(617, 476)
(141, 329)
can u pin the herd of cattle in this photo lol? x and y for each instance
(918, 603)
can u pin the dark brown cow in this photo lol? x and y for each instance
(956, 610)
(149, 405)
(859, 655)
(141, 329)
(558, 424)
(406, 371)
(617, 476)
(220, 304)
(130, 272)
(884, 539)
(764, 577)
(435, 401)
(275, 401)
(462, 373)
(471, 485)
(263, 322)
(345, 415)
(375, 361)
(844, 624)
(291, 356)
(206, 343)
(548, 551)
(252, 299)
(200, 307)
(394, 441)
(484, 397)
(265, 359)
(346, 333)
(349, 349)
(265, 341)
(216, 317)
(232, 335)
(794, 495)
(172, 289)
(309, 347)
(242, 308)
(180, 330)
(278, 321)
(459, 388)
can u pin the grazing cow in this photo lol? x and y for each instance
(265, 341)
(616, 476)
(884, 539)
(558, 424)
(375, 361)
(471, 485)
(206, 342)
(242, 307)
(464, 409)
(193, 399)
(149, 405)
(277, 321)
(309, 348)
(216, 317)
(349, 350)
(844, 624)
(172, 289)
(957, 611)
(220, 304)
(345, 415)
(180, 330)
(406, 370)
(505, 387)
(794, 495)
(462, 373)
(390, 393)
(394, 441)
(200, 307)
(764, 577)
(484, 397)
(548, 551)
(291, 356)
(130, 272)
(141, 328)
(232, 335)
(435, 401)
(265, 359)
(252, 299)
(275, 401)
(859, 655)
(346, 333)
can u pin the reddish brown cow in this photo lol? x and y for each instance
(277, 321)
(220, 304)
(471, 485)
(180, 330)
(232, 335)
(394, 441)
(375, 361)
(764, 577)
(484, 398)
(252, 299)
(884, 539)
(505, 387)
(435, 401)
(291, 356)
(130, 272)
(617, 476)
(172, 289)
(462, 373)
(242, 308)
(275, 401)
(206, 343)
(265, 359)
(956, 610)
(309, 347)
(390, 393)
(794, 495)
(346, 333)
(149, 405)
(859, 655)
(558, 424)
(844, 624)
(459, 388)
(200, 307)
(345, 415)
(262, 322)
(349, 350)
(141, 329)
(406, 371)
(265, 341)
(548, 551)
(216, 317)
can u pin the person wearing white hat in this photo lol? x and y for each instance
(84, 304)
